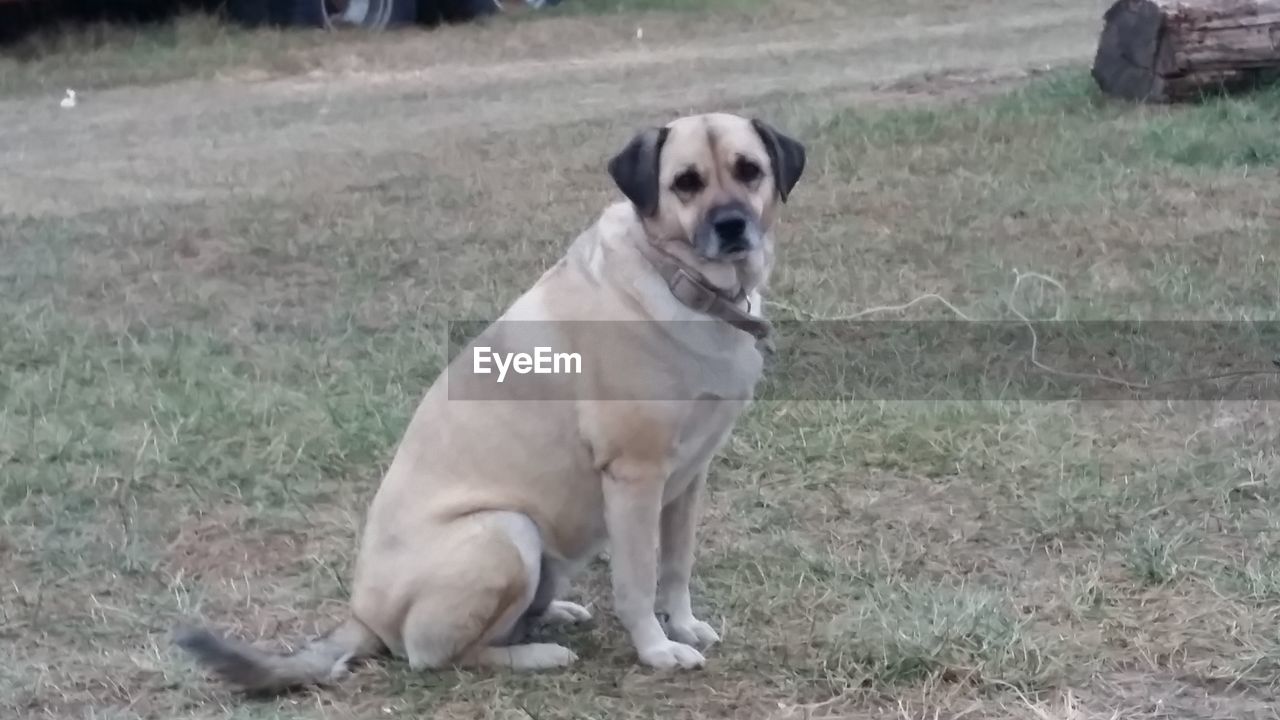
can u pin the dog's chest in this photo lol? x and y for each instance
(720, 400)
(704, 432)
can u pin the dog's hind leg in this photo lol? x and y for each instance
(467, 613)
(545, 608)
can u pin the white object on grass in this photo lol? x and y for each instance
(70, 100)
(639, 33)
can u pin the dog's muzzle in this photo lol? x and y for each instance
(727, 231)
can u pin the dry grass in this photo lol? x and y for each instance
(202, 388)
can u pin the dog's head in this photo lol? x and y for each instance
(711, 181)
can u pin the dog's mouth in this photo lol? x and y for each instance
(728, 233)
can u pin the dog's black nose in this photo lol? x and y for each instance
(731, 229)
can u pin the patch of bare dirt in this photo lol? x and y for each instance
(1168, 695)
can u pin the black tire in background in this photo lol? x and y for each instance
(329, 14)
(435, 11)
(364, 14)
(254, 13)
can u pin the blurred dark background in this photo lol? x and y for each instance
(20, 18)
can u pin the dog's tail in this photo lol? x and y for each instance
(320, 662)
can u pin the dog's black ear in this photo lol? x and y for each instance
(635, 169)
(786, 154)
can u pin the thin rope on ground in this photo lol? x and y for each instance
(1034, 355)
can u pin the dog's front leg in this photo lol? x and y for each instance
(633, 510)
(679, 529)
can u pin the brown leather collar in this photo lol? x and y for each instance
(696, 292)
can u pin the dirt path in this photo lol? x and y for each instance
(196, 140)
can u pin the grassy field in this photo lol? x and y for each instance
(201, 389)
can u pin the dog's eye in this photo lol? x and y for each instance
(746, 172)
(687, 183)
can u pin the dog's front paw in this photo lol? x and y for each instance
(671, 655)
(691, 631)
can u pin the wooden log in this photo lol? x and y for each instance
(1172, 50)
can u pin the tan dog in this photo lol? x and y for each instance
(491, 505)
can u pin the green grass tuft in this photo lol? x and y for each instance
(1156, 557)
(900, 634)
